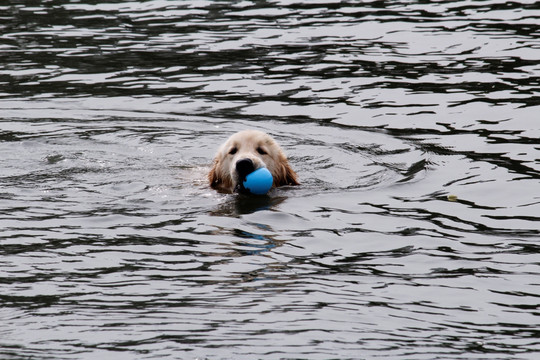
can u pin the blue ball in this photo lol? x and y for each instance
(259, 182)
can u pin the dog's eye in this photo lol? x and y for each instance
(233, 151)
(261, 151)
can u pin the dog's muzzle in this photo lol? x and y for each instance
(244, 167)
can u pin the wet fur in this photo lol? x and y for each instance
(261, 149)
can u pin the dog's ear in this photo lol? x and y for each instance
(217, 179)
(287, 175)
(213, 175)
(291, 177)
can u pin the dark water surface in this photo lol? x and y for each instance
(112, 246)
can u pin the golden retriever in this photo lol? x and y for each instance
(245, 152)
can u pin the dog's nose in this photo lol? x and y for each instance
(244, 167)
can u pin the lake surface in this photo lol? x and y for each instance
(414, 128)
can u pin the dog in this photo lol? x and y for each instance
(245, 152)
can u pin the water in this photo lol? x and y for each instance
(113, 246)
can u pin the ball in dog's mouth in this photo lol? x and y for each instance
(258, 182)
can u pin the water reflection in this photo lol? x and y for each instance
(242, 204)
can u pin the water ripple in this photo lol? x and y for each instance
(412, 126)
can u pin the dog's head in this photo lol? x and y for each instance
(245, 152)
